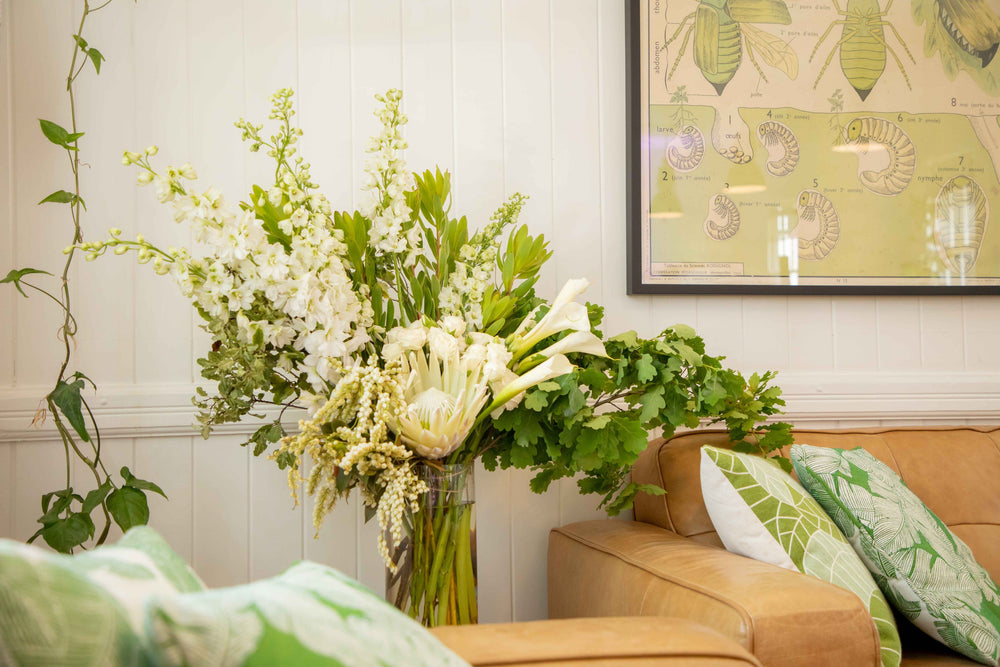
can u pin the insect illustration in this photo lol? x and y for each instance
(723, 219)
(819, 225)
(720, 28)
(973, 26)
(686, 149)
(782, 147)
(961, 212)
(862, 45)
(868, 131)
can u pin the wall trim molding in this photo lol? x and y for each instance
(159, 410)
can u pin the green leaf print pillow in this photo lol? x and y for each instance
(759, 511)
(310, 615)
(928, 574)
(85, 609)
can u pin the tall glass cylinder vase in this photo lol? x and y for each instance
(435, 579)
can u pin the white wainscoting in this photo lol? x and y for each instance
(510, 95)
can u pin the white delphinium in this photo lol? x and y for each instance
(386, 182)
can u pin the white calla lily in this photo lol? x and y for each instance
(564, 314)
(578, 341)
(552, 367)
(443, 398)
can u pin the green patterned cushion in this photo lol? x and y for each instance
(928, 574)
(309, 615)
(85, 609)
(759, 511)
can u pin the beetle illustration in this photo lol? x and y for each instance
(862, 45)
(721, 27)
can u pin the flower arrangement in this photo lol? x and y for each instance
(416, 343)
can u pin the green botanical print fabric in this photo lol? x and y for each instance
(805, 533)
(310, 615)
(928, 574)
(85, 609)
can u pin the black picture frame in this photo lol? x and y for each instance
(635, 206)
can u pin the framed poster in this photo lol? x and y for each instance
(817, 146)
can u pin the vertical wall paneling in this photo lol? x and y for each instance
(220, 527)
(7, 488)
(720, 323)
(168, 462)
(428, 84)
(477, 48)
(854, 329)
(766, 331)
(576, 173)
(898, 333)
(477, 61)
(527, 100)
(34, 474)
(622, 312)
(528, 155)
(276, 526)
(163, 317)
(810, 338)
(336, 542)
(325, 97)
(942, 342)
(106, 334)
(7, 229)
(982, 322)
(41, 47)
(376, 64)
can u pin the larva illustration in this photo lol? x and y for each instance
(782, 147)
(685, 150)
(819, 226)
(723, 219)
(892, 180)
(961, 213)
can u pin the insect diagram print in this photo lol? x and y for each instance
(851, 143)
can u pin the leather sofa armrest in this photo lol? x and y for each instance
(626, 568)
(609, 642)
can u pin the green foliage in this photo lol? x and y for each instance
(15, 276)
(66, 518)
(597, 419)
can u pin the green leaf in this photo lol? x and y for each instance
(652, 402)
(58, 134)
(128, 507)
(645, 370)
(136, 483)
(69, 401)
(65, 534)
(599, 422)
(549, 386)
(95, 497)
(96, 58)
(629, 338)
(684, 331)
(59, 197)
(536, 400)
(81, 42)
(16, 275)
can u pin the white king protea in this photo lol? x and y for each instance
(444, 396)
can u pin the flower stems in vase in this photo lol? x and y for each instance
(435, 577)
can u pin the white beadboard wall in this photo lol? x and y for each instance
(510, 95)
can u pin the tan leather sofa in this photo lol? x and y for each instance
(670, 562)
(593, 642)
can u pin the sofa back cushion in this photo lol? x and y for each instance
(954, 470)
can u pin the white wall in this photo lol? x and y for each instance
(519, 95)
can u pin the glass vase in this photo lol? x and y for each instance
(435, 579)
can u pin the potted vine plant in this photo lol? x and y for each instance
(419, 347)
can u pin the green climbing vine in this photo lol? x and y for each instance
(67, 514)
